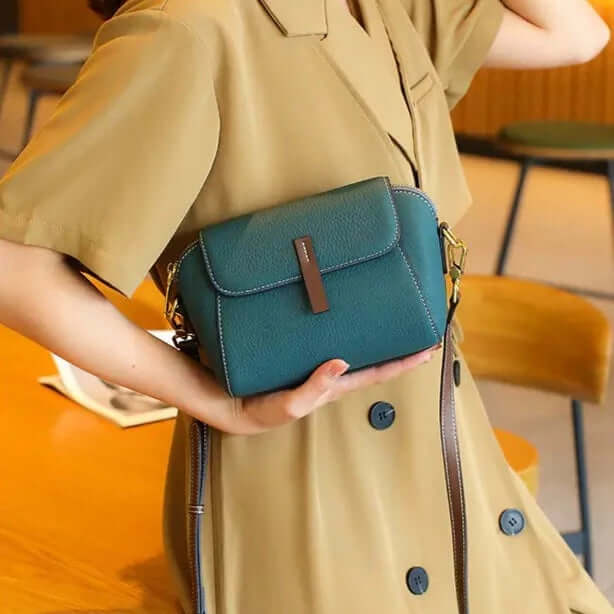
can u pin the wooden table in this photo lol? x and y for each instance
(80, 498)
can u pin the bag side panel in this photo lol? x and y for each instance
(420, 242)
(199, 300)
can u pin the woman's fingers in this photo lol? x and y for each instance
(294, 403)
(383, 372)
(326, 383)
(313, 392)
(323, 385)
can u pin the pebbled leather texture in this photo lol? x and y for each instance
(254, 251)
(379, 256)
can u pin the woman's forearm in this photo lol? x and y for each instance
(547, 33)
(48, 301)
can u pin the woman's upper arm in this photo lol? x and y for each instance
(111, 174)
(546, 34)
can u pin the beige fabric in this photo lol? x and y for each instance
(194, 111)
(453, 32)
(113, 172)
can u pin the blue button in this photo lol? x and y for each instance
(511, 521)
(381, 415)
(456, 370)
(417, 580)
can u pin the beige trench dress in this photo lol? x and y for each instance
(193, 111)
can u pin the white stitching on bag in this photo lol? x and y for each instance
(458, 472)
(420, 295)
(219, 327)
(419, 194)
(188, 249)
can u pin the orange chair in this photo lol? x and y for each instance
(534, 335)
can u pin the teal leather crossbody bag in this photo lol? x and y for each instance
(357, 272)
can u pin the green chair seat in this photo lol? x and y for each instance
(559, 135)
(50, 78)
(46, 47)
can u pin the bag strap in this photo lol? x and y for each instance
(447, 421)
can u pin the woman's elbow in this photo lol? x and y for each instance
(23, 266)
(588, 45)
(576, 39)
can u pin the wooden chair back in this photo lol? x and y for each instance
(534, 335)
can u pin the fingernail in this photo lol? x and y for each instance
(338, 369)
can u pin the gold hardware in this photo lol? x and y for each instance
(171, 303)
(171, 310)
(456, 253)
(185, 336)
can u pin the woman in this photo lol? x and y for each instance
(193, 111)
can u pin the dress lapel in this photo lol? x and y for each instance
(401, 33)
(365, 62)
(298, 17)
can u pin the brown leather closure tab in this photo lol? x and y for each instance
(311, 274)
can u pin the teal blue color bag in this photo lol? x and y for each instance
(356, 272)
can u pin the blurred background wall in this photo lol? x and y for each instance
(57, 16)
(584, 92)
(8, 16)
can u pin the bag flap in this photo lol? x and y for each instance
(255, 252)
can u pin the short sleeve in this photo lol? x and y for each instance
(458, 35)
(112, 173)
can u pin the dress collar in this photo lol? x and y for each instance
(366, 63)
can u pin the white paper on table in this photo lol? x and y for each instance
(117, 403)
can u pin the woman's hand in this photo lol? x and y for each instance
(262, 412)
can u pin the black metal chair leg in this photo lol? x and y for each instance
(32, 106)
(5, 73)
(581, 541)
(513, 214)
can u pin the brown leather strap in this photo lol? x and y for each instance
(452, 465)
